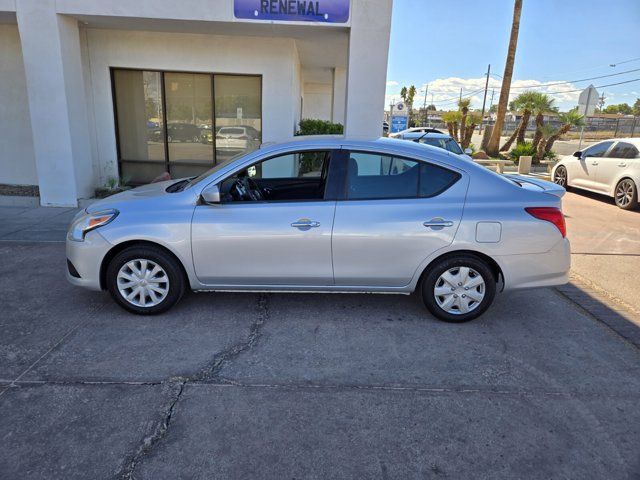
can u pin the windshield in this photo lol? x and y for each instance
(445, 143)
(204, 175)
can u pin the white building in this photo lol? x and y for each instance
(93, 90)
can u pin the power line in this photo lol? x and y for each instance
(577, 81)
(599, 86)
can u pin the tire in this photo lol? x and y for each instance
(123, 267)
(626, 194)
(483, 293)
(560, 177)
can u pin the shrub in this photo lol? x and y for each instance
(522, 149)
(310, 126)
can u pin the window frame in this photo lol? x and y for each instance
(331, 157)
(604, 154)
(345, 183)
(166, 163)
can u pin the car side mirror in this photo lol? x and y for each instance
(211, 194)
(577, 154)
(468, 151)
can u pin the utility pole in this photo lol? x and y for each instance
(425, 104)
(460, 93)
(586, 117)
(429, 119)
(484, 100)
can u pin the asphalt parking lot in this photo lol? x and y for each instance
(317, 386)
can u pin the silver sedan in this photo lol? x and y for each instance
(327, 215)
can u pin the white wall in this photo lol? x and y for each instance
(273, 58)
(17, 160)
(317, 101)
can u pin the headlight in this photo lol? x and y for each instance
(89, 221)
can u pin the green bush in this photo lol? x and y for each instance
(522, 149)
(310, 126)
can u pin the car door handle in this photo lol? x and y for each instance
(594, 163)
(305, 223)
(438, 223)
(622, 164)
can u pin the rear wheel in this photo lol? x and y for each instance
(458, 288)
(145, 280)
(626, 194)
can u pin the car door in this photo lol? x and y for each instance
(285, 240)
(613, 165)
(394, 214)
(584, 170)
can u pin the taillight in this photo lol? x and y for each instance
(549, 214)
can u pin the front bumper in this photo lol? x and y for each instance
(537, 270)
(86, 257)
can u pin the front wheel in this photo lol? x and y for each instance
(145, 280)
(458, 288)
(626, 194)
(560, 176)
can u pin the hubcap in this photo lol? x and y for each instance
(560, 177)
(624, 193)
(143, 283)
(459, 290)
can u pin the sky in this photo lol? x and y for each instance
(448, 44)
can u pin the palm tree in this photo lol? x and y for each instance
(494, 141)
(451, 119)
(472, 121)
(463, 105)
(523, 103)
(569, 120)
(544, 104)
(546, 132)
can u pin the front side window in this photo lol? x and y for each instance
(624, 150)
(597, 150)
(293, 176)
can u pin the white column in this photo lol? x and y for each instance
(57, 106)
(339, 94)
(367, 74)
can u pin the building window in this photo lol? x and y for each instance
(166, 121)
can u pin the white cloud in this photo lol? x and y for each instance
(392, 83)
(444, 92)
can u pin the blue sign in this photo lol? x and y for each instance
(327, 11)
(398, 123)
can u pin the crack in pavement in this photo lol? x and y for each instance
(177, 384)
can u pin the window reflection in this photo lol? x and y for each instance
(182, 139)
(188, 100)
(238, 115)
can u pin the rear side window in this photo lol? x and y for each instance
(624, 150)
(374, 176)
(435, 180)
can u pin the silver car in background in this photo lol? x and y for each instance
(610, 167)
(327, 215)
(439, 140)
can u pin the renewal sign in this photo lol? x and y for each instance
(327, 11)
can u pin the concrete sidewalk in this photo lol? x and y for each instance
(35, 223)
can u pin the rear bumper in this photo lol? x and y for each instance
(86, 257)
(537, 270)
